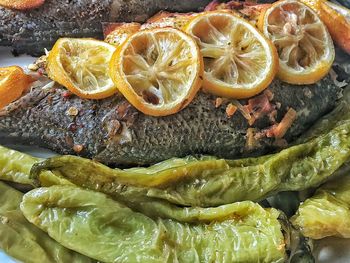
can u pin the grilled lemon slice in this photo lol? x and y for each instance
(159, 70)
(305, 48)
(336, 18)
(239, 61)
(81, 65)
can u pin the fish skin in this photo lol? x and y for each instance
(33, 30)
(115, 133)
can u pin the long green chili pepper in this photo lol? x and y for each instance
(101, 228)
(24, 241)
(327, 213)
(212, 182)
(15, 167)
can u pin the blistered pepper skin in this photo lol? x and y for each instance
(101, 228)
(15, 167)
(327, 213)
(23, 240)
(211, 182)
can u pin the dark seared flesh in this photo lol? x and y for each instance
(115, 133)
(32, 31)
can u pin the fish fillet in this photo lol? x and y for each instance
(33, 30)
(115, 133)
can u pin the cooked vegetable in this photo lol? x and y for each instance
(97, 226)
(15, 167)
(211, 182)
(327, 213)
(24, 241)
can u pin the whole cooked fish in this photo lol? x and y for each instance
(33, 30)
(113, 132)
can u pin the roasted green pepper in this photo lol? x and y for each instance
(24, 241)
(327, 213)
(15, 167)
(210, 182)
(101, 228)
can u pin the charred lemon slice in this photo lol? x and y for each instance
(159, 71)
(305, 48)
(239, 61)
(81, 65)
(13, 81)
(336, 18)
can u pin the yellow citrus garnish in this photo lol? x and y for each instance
(305, 48)
(13, 81)
(159, 70)
(336, 18)
(120, 32)
(239, 62)
(81, 65)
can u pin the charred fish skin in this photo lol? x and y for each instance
(115, 133)
(34, 30)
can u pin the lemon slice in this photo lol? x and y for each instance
(336, 18)
(159, 70)
(81, 65)
(305, 48)
(239, 61)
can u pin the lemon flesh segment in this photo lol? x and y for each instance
(303, 43)
(238, 61)
(82, 65)
(161, 69)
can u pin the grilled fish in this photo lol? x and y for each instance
(113, 132)
(33, 30)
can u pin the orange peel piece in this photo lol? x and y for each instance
(13, 81)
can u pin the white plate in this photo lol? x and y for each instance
(329, 250)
